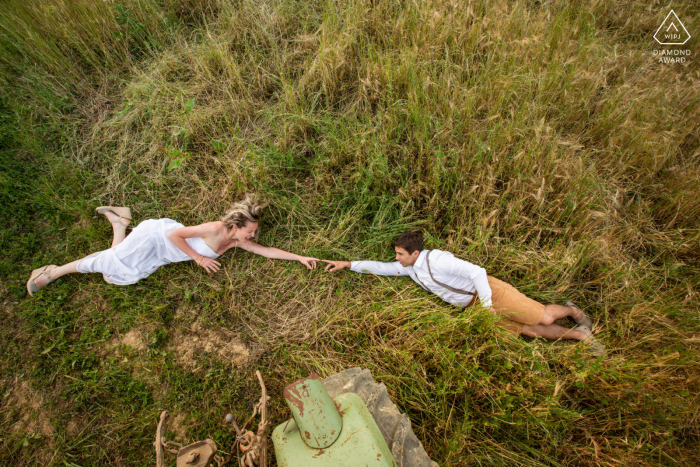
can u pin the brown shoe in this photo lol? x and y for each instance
(585, 320)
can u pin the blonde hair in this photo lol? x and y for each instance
(249, 209)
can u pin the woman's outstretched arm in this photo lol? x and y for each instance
(276, 253)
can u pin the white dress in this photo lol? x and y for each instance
(143, 251)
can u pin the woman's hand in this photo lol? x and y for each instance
(308, 261)
(209, 264)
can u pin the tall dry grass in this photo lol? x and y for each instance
(539, 139)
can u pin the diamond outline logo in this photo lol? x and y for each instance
(674, 27)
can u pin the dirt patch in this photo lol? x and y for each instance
(24, 406)
(190, 346)
(132, 339)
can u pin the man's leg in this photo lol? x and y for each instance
(536, 319)
(555, 312)
(552, 332)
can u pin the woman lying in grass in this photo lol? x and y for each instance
(156, 242)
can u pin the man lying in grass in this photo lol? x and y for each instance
(462, 283)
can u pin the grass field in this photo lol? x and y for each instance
(542, 140)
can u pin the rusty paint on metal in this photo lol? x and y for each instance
(359, 441)
(295, 394)
(314, 411)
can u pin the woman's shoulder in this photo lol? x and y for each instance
(207, 229)
(216, 225)
(212, 228)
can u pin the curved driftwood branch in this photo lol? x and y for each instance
(262, 427)
(160, 454)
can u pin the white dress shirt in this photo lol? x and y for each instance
(447, 269)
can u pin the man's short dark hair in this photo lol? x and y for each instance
(410, 241)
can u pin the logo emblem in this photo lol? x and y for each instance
(672, 31)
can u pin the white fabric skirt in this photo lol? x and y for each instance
(143, 251)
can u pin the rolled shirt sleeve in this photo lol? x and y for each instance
(379, 268)
(452, 266)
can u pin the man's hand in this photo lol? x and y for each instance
(334, 266)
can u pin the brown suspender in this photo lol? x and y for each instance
(464, 292)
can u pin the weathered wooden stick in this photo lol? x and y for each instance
(160, 454)
(262, 427)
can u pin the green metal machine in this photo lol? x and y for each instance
(346, 420)
(326, 432)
